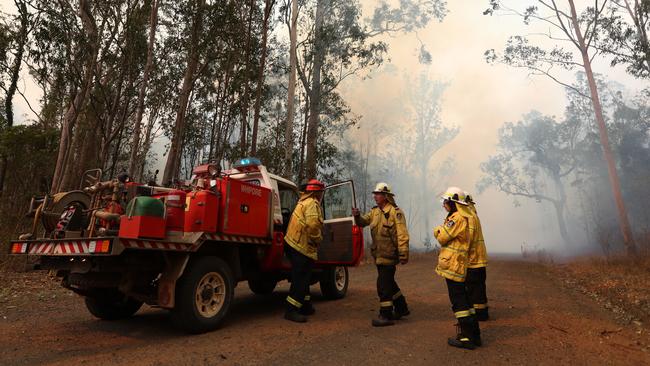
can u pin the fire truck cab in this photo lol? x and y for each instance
(185, 249)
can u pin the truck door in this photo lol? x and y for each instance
(342, 240)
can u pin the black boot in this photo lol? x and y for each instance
(307, 309)
(464, 335)
(482, 314)
(294, 315)
(476, 334)
(385, 318)
(401, 308)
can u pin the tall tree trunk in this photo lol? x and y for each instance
(74, 155)
(112, 114)
(314, 98)
(134, 160)
(221, 109)
(561, 223)
(146, 145)
(624, 222)
(16, 65)
(291, 92)
(245, 96)
(116, 153)
(13, 83)
(174, 157)
(560, 208)
(303, 142)
(88, 157)
(260, 75)
(78, 100)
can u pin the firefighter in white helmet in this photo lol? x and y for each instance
(476, 268)
(390, 246)
(454, 238)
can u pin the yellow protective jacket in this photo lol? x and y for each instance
(477, 250)
(454, 238)
(305, 231)
(390, 237)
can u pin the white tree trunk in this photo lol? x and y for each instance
(291, 92)
(624, 222)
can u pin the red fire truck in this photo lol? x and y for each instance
(121, 244)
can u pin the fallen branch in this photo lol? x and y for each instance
(607, 332)
(560, 329)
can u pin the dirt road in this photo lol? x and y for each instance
(536, 322)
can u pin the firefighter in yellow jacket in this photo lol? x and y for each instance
(303, 237)
(454, 238)
(390, 246)
(476, 268)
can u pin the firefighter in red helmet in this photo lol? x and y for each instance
(303, 237)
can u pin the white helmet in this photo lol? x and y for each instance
(454, 194)
(383, 188)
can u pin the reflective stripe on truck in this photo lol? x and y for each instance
(63, 247)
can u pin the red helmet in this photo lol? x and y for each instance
(314, 185)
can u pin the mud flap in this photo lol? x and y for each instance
(174, 267)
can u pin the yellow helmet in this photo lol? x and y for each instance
(454, 194)
(383, 188)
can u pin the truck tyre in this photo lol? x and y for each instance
(203, 295)
(262, 286)
(112, 305)
(334, 282)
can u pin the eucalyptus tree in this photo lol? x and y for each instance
(624, 38)
(532, 153)
(580, 32)
(337, 43)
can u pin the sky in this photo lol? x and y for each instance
(479, 99)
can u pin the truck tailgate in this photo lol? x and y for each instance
(68, 247)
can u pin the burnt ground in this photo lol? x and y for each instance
(537, 320)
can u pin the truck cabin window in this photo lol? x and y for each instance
(338, 202)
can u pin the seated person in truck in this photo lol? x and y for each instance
(304, 235)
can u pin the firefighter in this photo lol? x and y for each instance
(454, 238)
(390, 246)
(304, 235)
(476, 271)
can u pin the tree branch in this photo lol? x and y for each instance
(29, 104)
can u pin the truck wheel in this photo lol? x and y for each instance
(334, 282)
(112, 305)
(262, 286)
(203, 295)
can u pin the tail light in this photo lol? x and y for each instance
(18, 248)
(357, 243)
(99, 246)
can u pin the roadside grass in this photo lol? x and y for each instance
(621, 284)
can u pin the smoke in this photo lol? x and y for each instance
(479, 99)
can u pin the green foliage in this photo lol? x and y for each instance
(409, 16)
(30, 153)
(625, 39)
